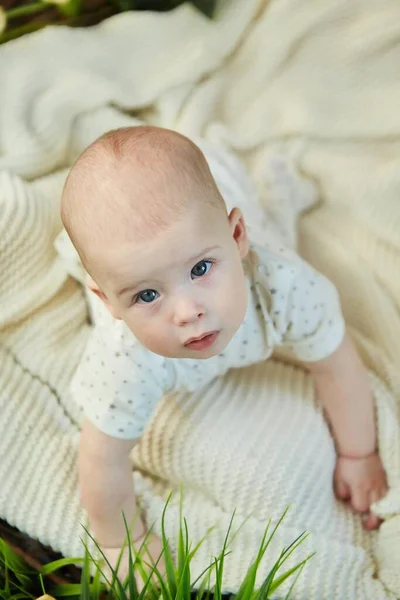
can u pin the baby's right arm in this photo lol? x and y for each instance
(106, 486)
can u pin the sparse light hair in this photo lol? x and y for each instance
(147, 176)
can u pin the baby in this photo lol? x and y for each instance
(191, 296)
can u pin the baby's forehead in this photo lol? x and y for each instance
(117, 188)
(157, 254)
(148, 229)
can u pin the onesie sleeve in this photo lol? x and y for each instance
(314, 326)
(304, 309)
(118, 384)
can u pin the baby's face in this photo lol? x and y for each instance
(183, 291)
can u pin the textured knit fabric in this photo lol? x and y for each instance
(313, 83)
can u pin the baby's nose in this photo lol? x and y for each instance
(187, 311)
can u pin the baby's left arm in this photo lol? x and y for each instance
(343, 388)
(310, 317)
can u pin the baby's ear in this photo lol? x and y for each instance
(239, 232)
(93, 287)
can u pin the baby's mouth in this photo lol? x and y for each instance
(203, 341)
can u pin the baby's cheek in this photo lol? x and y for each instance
(153, 335)
(235, 297)
(140, 327)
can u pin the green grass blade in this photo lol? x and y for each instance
(133, 590)
(247, 587)
(184, 588)
(278, 582)
(42, 583)
(66, 589)
(10, 559)
(103, 556)
(196, 548)
(132, 586)
(15, 586)
(85, 579)
(263, 592)
(14, 564)
(181, 549)
(205, 588)
(98, 587)
(246, 590)
(205, 584)
(219, 567)
(287, 597)
(220, 562)
(169, 565)
(299, 540)
(59, 564)
(236, 533)
(275, 528)
(162, 584)
(293, 546)
(209, 569)
(114, 580)
(147, 572)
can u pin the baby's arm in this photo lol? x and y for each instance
(107, 492)
(118, 389)
(342, 385)
(106, 485)
(307, 310)
(343, 388)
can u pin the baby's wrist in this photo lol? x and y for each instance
(113, 539)
(137, 535)
(357, 455)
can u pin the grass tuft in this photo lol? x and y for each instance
(100, 581)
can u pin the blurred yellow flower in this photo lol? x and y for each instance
(3, 20)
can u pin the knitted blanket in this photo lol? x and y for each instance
(313, 82)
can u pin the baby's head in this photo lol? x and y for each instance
(145, 215)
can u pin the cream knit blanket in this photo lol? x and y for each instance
(315, 82)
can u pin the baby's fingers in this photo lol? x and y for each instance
(360, 500)
(342, 490)
(371, 521)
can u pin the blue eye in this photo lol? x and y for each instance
(201, 269)
(147, 296)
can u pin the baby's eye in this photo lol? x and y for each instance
(202, 268)
(147, 296)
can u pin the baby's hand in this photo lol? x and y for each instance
(155, 548)
(361, 481)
